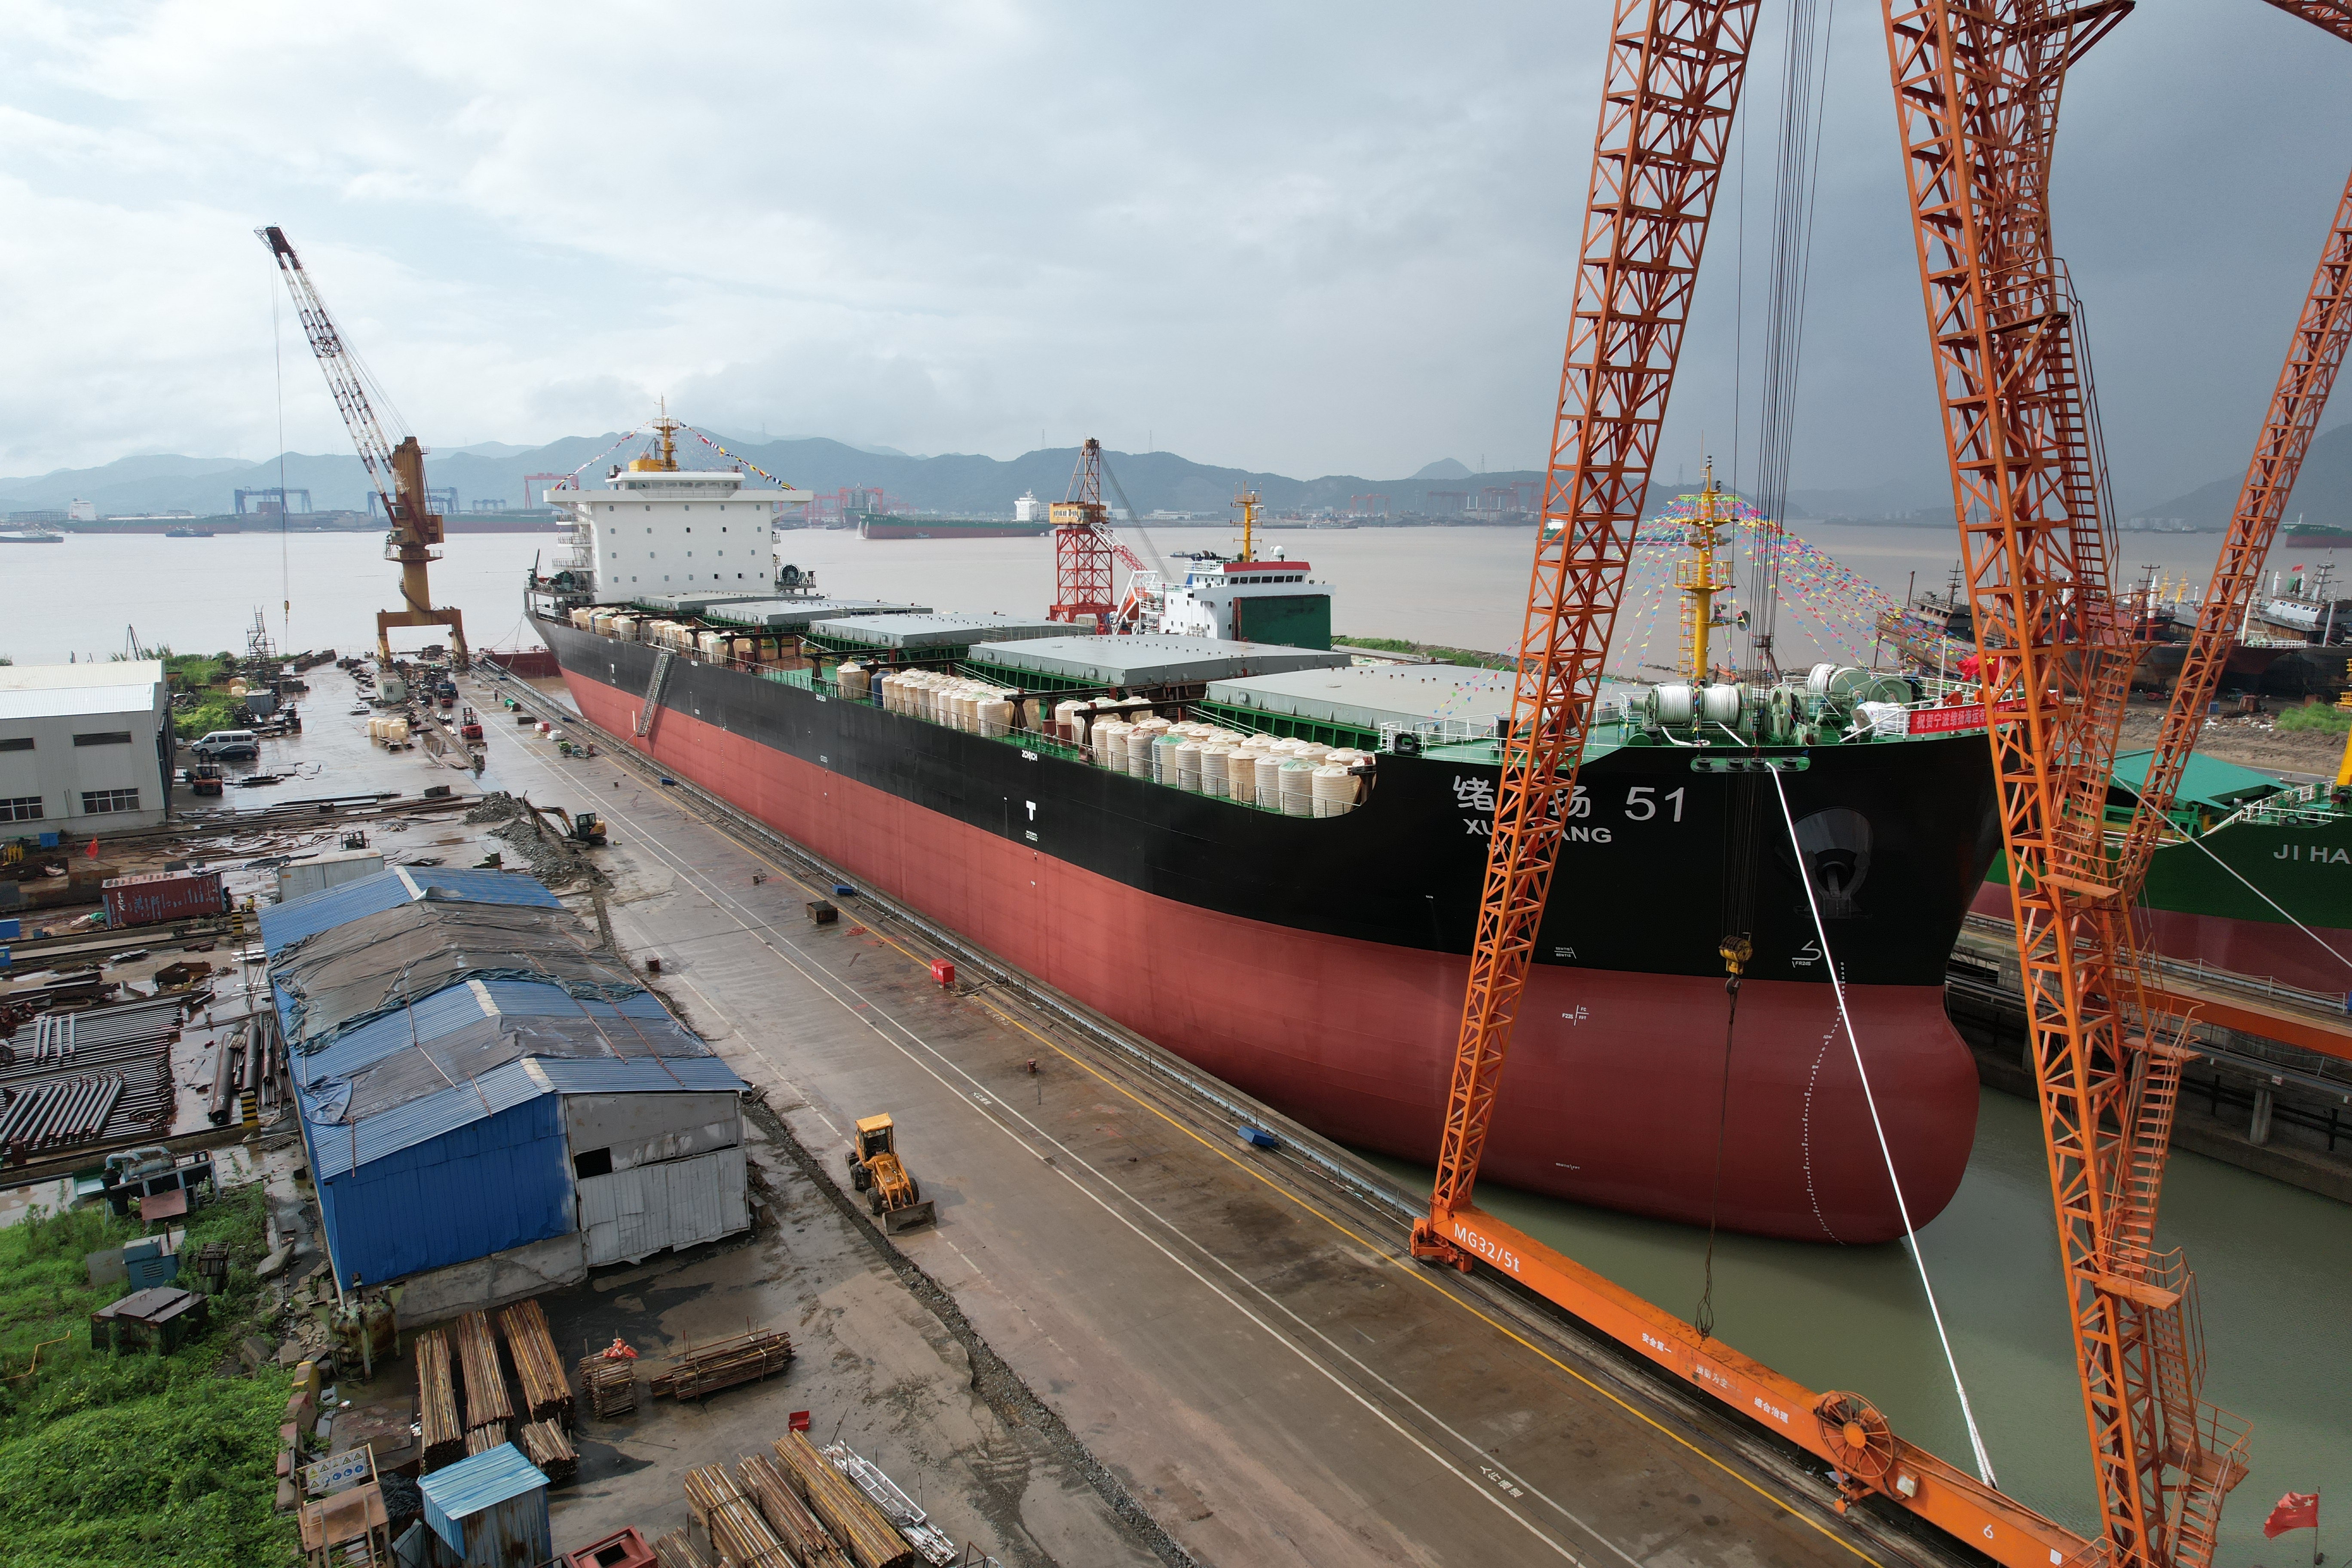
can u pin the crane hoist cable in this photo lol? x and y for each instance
(1902, 1206)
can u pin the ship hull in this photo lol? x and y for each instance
(2199, 904)
(1319, 965)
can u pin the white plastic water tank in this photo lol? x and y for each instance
(1215, 757)
(1109, 744)
(995, 717)
(1334, 790)
(1188, 765)
(1298, 787)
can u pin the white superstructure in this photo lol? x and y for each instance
(1029, 508)
(655, 528)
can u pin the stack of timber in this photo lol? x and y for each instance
(850, 1514)
(675, 1550)
(738, 1533)
(437, 1402)
(739, 1358)
(486, 1385)
(611, 1383)
(483, 1438)
(546, 1396)
(544, 1445)
(767, 1484)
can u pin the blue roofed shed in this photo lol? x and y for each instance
(489, 1511)
(482, 1096)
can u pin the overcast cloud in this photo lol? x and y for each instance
(1305, 240)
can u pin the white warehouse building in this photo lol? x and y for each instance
(661, 530)
(86, 749)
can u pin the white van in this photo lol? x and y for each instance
(228, 746)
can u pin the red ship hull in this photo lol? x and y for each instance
(1615, 1087)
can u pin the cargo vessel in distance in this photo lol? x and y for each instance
(1269, 861)
(901, 525)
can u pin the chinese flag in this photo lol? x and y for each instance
(92, 850)
(2296, 1511)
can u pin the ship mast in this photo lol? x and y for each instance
(1248, 501)
(1701, 576)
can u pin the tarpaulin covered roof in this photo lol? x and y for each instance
(354, 972)
(282, 924)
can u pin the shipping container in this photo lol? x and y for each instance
(158, 895)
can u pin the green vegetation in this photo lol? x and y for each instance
(134, 1459)
(1465, 655)
(197, 673)
(2316, 716)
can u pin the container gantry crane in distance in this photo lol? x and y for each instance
(1085, 545)
(397, 472)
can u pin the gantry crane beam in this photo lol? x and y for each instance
(1977, 89)
(396, 471)
(2313, 355)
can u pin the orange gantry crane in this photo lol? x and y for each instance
(1084, 546)
(1977, 89)
(397, 472)
(1671, 87)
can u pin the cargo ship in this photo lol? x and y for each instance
(1299, 927)
(2251, 859)
(903, 525)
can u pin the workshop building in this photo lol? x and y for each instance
(86, 749)
(489, 1106)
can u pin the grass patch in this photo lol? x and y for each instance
(211, 712)
(1472, 657)
(134, 1459)
(2317, 718)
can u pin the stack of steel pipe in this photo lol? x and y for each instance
(482, 1439)
(58, 1112)
(873, 1541)
(737, 1532)
(546, 1394)
(486, 1385)
(766, 1483)
(437, 1401)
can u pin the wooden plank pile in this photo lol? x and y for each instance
(739, 1358)
(486, 1384)
(611, 1383)
(546, 1396)
(738, 1532)
(544, 1445)
(873, 1541)
(675, 1550)
(765, 1482)
(483, 1438)
(437, 1401)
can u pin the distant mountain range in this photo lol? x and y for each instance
(951, 484)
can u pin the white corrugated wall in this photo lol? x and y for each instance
(635, 1212)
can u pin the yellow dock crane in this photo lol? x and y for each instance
(398, 472)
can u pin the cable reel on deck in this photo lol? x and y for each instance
(1860, 1437)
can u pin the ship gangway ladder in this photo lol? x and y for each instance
(1670, 90)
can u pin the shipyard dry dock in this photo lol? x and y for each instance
(1231, 1335)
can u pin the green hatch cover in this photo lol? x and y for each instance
(2206, 782)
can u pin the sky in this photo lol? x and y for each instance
(1303, 240)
